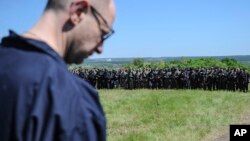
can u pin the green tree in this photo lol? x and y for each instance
(138, 62)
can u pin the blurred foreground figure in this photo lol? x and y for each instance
(40, 100)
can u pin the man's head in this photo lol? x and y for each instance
(85, 24)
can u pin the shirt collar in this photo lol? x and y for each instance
(16, 41)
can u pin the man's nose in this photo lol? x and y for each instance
(99, 49)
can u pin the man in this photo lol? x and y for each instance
(40, 100)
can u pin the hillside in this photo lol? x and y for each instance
(118, 62)
(240, 58)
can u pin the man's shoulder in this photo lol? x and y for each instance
(29, 67)
(32, 61)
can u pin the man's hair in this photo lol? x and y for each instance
(56, 4)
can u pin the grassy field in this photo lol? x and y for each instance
(171, 115)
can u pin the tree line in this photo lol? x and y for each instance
(188, 63)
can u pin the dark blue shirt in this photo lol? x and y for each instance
(40, 100)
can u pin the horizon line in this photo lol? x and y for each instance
(167, 57)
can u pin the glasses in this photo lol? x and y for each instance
(96, 14)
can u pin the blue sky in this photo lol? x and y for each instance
(163, 28)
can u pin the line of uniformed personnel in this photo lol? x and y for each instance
(207, 79)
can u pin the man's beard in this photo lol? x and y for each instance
(73, 57)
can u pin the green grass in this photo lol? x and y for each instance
(170, 115)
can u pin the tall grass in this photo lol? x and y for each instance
(170, 115)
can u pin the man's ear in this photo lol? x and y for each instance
(77, 9)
